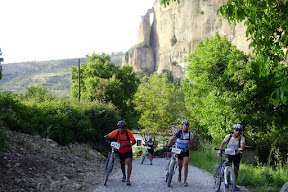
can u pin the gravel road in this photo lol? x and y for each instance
(151, 178)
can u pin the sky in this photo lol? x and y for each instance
(39, 30)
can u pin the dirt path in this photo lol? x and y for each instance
(151, 178)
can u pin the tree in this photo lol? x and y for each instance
(223, 87)
(38, 93)
(167, 2)
(104, 81)
(266, 22)
(159, 102)
(211, 89)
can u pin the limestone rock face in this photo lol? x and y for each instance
(141, 55)
(140, 58)
(145, 28)
(175, 31)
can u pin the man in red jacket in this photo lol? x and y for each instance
(126, 140)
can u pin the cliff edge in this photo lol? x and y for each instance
(167, 35)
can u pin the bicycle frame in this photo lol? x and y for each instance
(110, 161)
(225, 169)
(172, 165)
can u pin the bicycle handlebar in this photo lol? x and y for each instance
(236, 150)
(128, 145)
(233, 152)
(219, 149)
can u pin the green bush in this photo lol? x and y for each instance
(159, 151)
(61, 120)
(138, 151)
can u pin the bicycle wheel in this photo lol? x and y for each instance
(107, 160)
(171, 171)
(231, 179)
(108, 170)
(165, 155)
(285, 187)
(167, 172)
(217, 177)
(143, 157)
(166, 176)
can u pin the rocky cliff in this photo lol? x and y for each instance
(175, 30)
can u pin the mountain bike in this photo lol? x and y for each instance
(285, 187)
(110, 160)
(172, 165)
(145, 154)
(223, 172)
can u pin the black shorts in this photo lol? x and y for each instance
(123, 156)
(183, 154)
(151, 151)
(235, 159)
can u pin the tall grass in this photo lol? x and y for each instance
(260, 177)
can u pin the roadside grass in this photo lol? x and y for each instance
(258, 177)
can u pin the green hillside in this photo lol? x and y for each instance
(54, 74)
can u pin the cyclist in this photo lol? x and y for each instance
(184, 141)
(237, 142)
(126, 139)
(152, 144)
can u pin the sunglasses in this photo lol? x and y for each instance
(121, 127)
(237, 130)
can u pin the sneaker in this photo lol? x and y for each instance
(123, 179)
(237, 188)
(151, 163)
(185, 184)
(179, 178)
(128, 182)
(226, 186)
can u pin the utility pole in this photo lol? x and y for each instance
(79, 93)
(1, 60)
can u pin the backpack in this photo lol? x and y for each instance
(126, 136)
(230, 139)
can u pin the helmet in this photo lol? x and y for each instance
(237, 126)
(121, 123)
(185, 122)
(150, 138)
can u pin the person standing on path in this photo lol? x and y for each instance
(184, 141)
(126, 140)
(237, 142)
(152, 145)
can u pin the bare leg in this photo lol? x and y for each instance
(123, 168)
(186, 163)
(180, 164)
(129, 169)
(150, 157)
(236, 172)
